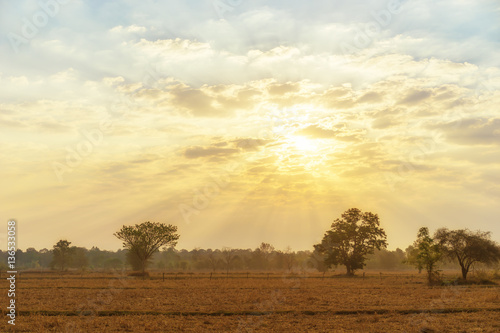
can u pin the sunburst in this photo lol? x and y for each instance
(303, 144)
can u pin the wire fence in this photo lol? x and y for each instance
(180, 275)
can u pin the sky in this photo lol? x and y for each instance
(243, 122)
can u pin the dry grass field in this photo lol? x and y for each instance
(397, 302)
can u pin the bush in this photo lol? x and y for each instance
(470, 281)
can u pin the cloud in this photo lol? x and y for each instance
(196, 101)
(197, 152)
(53, 126)
(317, 132)
(281, 89)
(250, 143)
(130, 29)
(385, 122)
(370, 97)
(415, 97)
(472, 131)
(222, 149)
(10, 123)
(189, 92)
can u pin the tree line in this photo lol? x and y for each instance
(355, 241)
(262, 258)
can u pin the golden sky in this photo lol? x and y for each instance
(249, 122)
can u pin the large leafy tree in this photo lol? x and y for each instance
(143, 240)
(468, 247)
(351, 238)
(425, 254)
(62, 254)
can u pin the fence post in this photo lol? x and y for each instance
(163, 277)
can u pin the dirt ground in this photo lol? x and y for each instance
(275, 302)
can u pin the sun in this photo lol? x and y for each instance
(302, 153)
(303, 144)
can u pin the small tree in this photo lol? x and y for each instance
(228, 257)
(31, 258)
(213, 259)
(267, 251)
(62, 255)
(145, 239)
(113, 263)
(425, 253)
(351, 239)
(289, 258)
(468, 247)
(79, 258)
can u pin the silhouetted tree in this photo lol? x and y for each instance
(290, 260)
(145, 239)
(266, 250)
(79, 257)
(113, 263)
(45, 257)
(31, 258)
(171, 257)
(389, 260)
(197, 257)
(228, 257)
(351, 238)
(62, 255)
(213, 258)
(468, 247)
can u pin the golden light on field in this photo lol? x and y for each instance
(389, 302)
(277, 150)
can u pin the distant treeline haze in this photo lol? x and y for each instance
(265, 257)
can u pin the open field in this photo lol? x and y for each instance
(398, 302)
